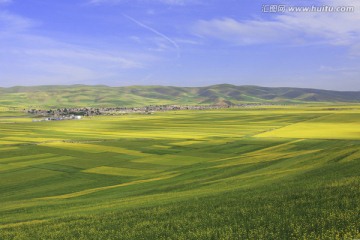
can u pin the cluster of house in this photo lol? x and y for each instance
(77, 113)
(62, 112)
(58, 118)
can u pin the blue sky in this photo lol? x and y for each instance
(178, 43)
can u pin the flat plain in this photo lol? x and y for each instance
(248, 173)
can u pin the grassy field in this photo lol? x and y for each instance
(254, 173)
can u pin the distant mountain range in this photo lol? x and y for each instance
(93, 96)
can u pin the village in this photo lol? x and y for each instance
(78, 113)
(58, 118)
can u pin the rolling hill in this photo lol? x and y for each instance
(100, 95)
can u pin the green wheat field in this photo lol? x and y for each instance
(280, 172)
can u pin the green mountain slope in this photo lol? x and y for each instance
(83, 95)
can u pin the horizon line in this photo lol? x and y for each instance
(155, 85)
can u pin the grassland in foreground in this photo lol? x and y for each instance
(270, 173)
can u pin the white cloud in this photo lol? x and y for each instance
(5, 1)
(295, 28)
(26, 56)
(157, 33)
(340, 70)
(84, 55)
(14, 23)
(188, 41)
(245, 32)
